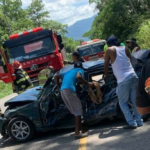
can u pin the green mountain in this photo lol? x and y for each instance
(76, 30)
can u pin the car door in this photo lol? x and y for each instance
(107, 107)
(53, 110)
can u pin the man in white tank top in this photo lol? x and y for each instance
(126, 78)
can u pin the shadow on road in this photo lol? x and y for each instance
(58, 138)
(105, 135)
(41, 140)
(114, 137)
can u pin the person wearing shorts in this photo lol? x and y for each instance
(143, 91)
(69, 96)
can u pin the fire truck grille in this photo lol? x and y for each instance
(36, 71)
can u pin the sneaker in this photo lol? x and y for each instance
(129, 127)
(140, 125)
(81, 135)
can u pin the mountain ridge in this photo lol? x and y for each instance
(76, 30)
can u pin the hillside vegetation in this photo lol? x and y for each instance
(5, 89)
(14, 18)
(122, 18)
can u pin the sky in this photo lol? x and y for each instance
(67, 11)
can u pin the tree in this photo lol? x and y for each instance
(118, 17)
(37, 13)
(20, 19)
(143, 34)
(55, 26)
(4, 32)
(70, 44)
(15, 17)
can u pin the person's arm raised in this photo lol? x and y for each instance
(106, 65)
(56, 79)
(128, 53)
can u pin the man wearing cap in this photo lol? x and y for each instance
(127, 80)
(132, 45)
(69, 96)
(76, 58)
(106, 46)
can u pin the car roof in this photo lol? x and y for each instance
(142, 55)
(86, 65)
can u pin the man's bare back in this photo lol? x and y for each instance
(112, 53)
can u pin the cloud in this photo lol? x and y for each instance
(67, 11)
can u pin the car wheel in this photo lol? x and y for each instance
(21, 129)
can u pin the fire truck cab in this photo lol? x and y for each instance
(35, 49)
(92, 50)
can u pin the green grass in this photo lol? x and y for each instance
(5, 89)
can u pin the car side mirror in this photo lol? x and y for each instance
(13, 75)
(61, 46)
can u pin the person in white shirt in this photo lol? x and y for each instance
(127, 80)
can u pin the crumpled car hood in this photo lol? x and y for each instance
(30, 95)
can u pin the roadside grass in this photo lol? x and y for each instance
(5, 89)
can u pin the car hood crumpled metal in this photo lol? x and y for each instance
(30, 95)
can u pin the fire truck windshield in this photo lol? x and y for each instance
(91, 49)
(32, 50)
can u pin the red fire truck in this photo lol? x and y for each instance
(34, 49)
(91, 50)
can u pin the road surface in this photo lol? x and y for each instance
(107, 135)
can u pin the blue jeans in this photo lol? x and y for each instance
(126, 92)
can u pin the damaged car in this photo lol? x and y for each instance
(42, 109)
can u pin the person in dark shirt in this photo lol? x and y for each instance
(143, 91)
(132, 45)
(22, 81)
(76, 58)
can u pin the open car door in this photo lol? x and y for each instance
(6, 70)
(52, 108)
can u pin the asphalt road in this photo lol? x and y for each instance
(107, 135)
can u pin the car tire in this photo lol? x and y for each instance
(21, 129)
